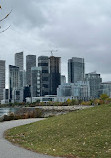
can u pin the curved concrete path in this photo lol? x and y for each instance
(8, 150)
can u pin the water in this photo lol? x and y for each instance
(5, 111)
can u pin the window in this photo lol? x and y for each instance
(42, 64)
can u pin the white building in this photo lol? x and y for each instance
(45, 99)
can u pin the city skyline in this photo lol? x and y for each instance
(74, 28)
(24, 61)
(45, 79)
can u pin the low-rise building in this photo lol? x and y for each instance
(79, 90)
(105, 88)
(45, 99)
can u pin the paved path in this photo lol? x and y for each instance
(8, 150)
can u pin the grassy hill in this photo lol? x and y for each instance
(81, 134)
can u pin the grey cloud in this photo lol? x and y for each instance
(75, 27)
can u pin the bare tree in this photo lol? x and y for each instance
(5, 17)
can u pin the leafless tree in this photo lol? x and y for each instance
(5, 17)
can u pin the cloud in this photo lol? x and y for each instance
(78, 28)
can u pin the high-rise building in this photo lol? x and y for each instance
(13, 79)
(43, 62)
(75, 70)
(36, 78)
(2, 78)
(30, 62)
(94, 83)
(24, 78)
(19, 61)
(55, 74)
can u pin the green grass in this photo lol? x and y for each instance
(85, 134)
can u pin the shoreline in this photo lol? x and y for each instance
(39, 112)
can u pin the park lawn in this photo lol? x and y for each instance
(82, 134)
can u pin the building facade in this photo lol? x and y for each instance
(36, 81)
(13, 79)
(30, 62)
(76, 69)
(43, 62)
(5, 96)
(55, 74)
(63, 79)
(26, 92)
(94, 83)
(79, 90)
(105, 88)
(19, 61)
(2, 78)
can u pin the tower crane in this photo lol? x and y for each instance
(53, 51)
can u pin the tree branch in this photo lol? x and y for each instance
(5, 29)
(6, 16)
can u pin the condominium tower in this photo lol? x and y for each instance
(30, 62)
(2, 78)
(13, 79)
(75, 70)
(43, 62)
(19, 60)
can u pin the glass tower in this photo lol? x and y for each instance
(75, 70)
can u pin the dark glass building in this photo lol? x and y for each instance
(26, 92)
(75, 70)
(55, 74)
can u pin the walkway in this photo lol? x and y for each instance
(8, 150)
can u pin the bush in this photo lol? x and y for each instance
(9, 117)
(86, 103)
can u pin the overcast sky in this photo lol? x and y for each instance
(76, 28)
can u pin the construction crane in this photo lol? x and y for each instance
(53, 51)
